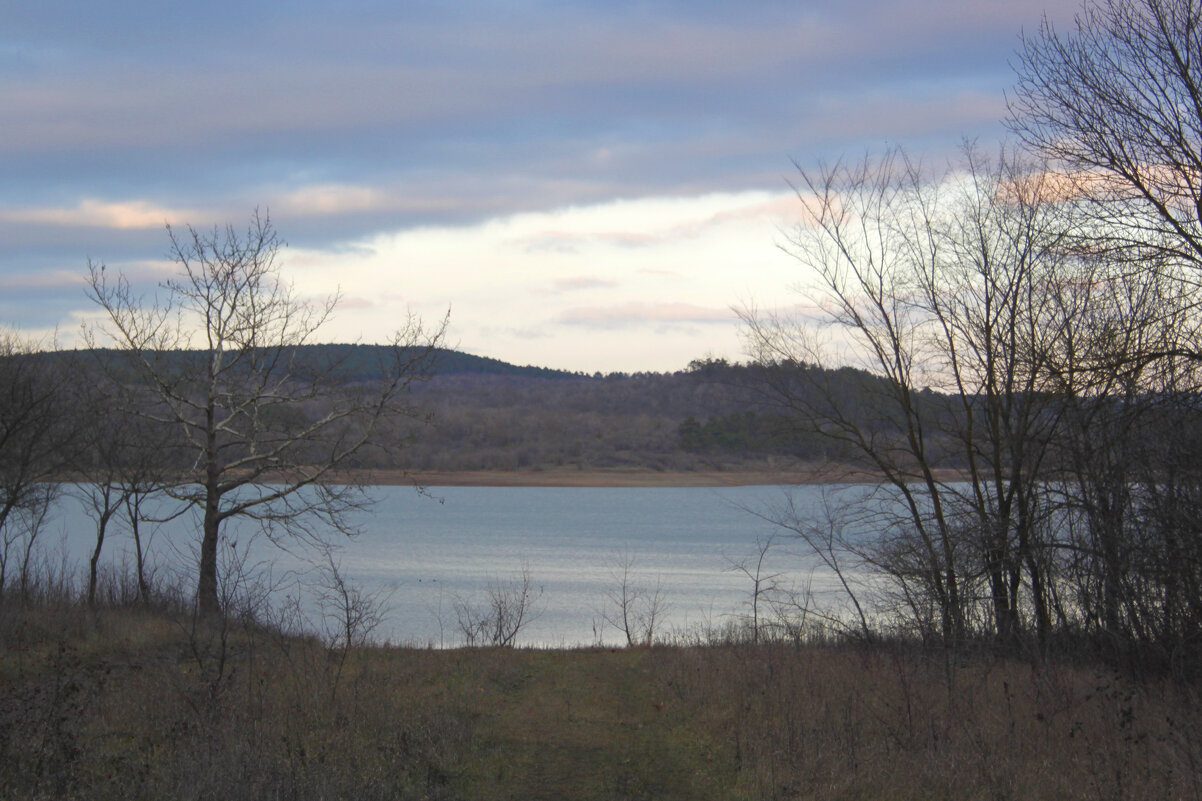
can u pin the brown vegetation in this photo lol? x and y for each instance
(620, 422)
(135, 704)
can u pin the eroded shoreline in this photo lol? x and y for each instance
(598, 477)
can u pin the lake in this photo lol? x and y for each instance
(424, 555)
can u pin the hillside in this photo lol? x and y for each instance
(359, 362)
(713, 416)
(475, 413)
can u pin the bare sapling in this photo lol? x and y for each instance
(507, 607)
(633, 608)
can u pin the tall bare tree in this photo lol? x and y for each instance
(221, 353)
(1117, 104)
(936, 285)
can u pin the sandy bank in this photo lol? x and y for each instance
(572, 477)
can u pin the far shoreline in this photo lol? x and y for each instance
(620, 477)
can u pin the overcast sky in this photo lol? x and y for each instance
(588, 185)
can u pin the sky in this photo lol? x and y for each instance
(591, 186)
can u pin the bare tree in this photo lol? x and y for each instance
(1129, 483)
(935, 286)
(349, 614)
(20, 537)
(36, 438)
(635, 609)
(121, 460)
(221, 353)
(509, 605)
(764, 585)
(1117, 103)
(835, 536)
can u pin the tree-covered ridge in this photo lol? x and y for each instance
(358, 362)
(481, 413)
(353, 362)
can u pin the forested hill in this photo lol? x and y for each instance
(351, 362)
(487, 414)
(712, 415)
(361, 362)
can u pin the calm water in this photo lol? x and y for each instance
(426, 553)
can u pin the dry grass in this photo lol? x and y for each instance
(131, 704)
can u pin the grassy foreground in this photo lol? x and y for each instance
(133, 704)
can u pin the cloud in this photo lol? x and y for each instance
(42, 280)
(502, 158)
(331, 199)
(644, 95)
(352, 302)
(568, 242)
(648, 223)
(521, 333)
(640, 313)
(92, 213)
(583, 282)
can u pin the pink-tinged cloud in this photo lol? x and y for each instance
(92, 213)
(634, 313)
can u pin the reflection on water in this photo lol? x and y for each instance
(424, 553)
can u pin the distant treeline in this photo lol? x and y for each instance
(712, 415)
(479, 413)
(352, 362)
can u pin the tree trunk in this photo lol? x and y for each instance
(139, 554)
(207, 601)
(1004, 621)
(93, 567)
